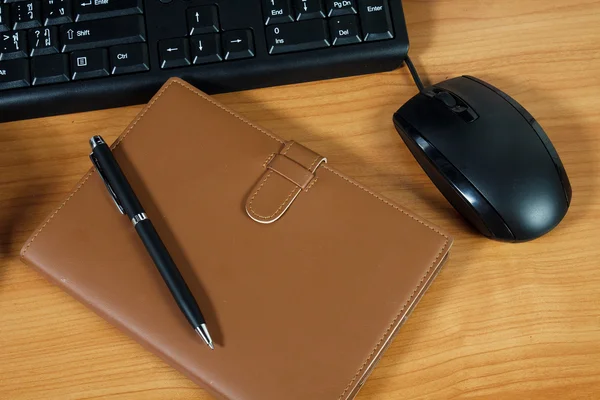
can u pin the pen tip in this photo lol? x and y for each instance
(203, 332)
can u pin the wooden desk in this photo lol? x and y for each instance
(502, 321)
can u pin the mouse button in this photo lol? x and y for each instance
(538, 130)
(428, 115)
(475, 95)
(505, 96)
(457, 105)
(466, 113)
(447, 99)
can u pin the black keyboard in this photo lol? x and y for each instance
(63, 56)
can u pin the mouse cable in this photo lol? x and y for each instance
(414, 73)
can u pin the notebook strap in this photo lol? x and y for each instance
(286, 175)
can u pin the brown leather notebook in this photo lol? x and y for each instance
(304, 275)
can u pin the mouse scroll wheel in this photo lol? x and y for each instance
(447, 99)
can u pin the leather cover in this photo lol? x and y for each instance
(303, 274)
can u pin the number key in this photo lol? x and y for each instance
(345, 30)
(26, 14)
(277, 11)
(309, 9)
(299, 36)
(341, 7)
(57, 12)
(43, 41)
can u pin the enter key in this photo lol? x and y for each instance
(376, 20)
(86, 10)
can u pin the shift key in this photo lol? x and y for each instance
(102, 33)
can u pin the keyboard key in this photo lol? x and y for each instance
(50, 69)
(202, 20)
(129, 58)
(14, 74)
(277, 11)
(96, 9)
(43, 41)
(57, 12)
(238, 44)
(303, 35)
(4, 18)
(309, 9)
(89, 64)
(345, 30)
(26, 14)
(174, 53)
(206, 49)
(376, 20)
(102, 33)
(13, 45)
(341, 7)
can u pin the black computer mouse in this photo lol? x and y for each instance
(488, 156)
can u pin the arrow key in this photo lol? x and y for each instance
(206, 48)
(174, 53)
(309, 9)
(203, 19)
(238, 44)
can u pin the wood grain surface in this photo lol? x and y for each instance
(502, 321)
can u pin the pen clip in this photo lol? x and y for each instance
(110, 189)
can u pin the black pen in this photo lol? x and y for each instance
(128, 204)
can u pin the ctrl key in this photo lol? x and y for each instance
(129, 58)
(14, 74)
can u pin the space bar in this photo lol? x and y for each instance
(102, 33)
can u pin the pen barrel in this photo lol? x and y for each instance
(170, 273)
(118, 182)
